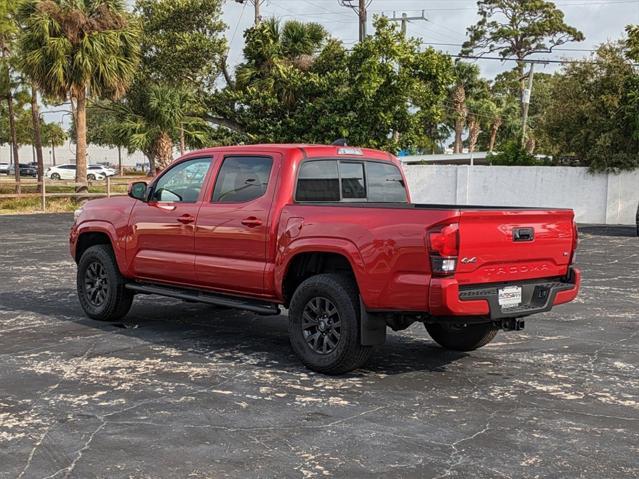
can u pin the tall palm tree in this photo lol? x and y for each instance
(466, 76)
(153, 117)
(8, 32)
(37, 134)
(76, 49)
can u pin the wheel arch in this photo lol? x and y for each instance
(305, 258)
(99, 232)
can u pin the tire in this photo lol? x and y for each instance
(91, 177)
(463, 337)
(109, 303)
(331, 344)
(55, 176)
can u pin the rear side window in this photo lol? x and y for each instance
(318, 181)
(385, 183)
(364, 181)
(242, 179)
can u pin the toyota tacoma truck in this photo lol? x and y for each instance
(331, 234)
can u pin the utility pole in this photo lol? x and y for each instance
(525, 100)
(405, 19)
(360, 7)
(256, 4)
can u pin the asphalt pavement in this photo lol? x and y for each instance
(187, 390)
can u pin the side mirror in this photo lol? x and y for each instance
(137, 190)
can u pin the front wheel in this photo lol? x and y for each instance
(324, 325)
(462, 337)
(55, 176)
(91, 177)
(101, 287)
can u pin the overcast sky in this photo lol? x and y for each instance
(599, 20)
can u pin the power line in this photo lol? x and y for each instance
(553, 49)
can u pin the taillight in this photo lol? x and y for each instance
(575, 243)
(443, 246)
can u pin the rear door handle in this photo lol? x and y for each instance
(186, 219)
(251, 222)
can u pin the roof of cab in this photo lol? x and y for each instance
(308, 150)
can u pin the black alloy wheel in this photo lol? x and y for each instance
(96, 284)
(321, 325)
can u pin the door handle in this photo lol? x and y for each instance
(251, 222)
(186, 219)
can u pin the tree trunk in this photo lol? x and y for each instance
(459, 102)
(120, 166)
(182, 142)
(53, 153)
(163, 151)
(530, 144)
(14, 141)
(37, 136)
(81, 139)
(494, 128)
(522, 85)
(473, 133)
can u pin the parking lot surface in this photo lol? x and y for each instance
(188, 390)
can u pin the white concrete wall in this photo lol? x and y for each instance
(600, 198)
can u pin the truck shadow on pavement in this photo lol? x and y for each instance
(236, 336)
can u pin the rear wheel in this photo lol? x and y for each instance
(324, 325)
(462, 337)
(91, 177)
(101, 287)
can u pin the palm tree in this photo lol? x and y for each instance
(153, 117)
(76, 49)
(8, 32)
(275, 53)
(466, 76)
(37, 134)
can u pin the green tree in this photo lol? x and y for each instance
(182, 41)
(78, 49)
(632, 43)
(53, 135)
(466, 80)
(387, 92)
(593, 112)
(518, 28)
(8, 34)
(152, 118)
(183, 47)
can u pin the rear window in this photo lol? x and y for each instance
(350, 181)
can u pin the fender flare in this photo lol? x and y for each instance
(105, 227)
(316, 244)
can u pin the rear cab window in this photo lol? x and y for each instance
(328, 180)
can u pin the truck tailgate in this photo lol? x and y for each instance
(513, 245)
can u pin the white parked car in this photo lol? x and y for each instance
(103, 170)
(67, 172)
(4, 168)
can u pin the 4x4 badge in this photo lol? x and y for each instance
(469, 260)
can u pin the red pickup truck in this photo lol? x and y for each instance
(330, 233)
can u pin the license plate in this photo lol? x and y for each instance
(510, 296)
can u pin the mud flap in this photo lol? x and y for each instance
(372, 327)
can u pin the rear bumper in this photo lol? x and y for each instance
(448, 298)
